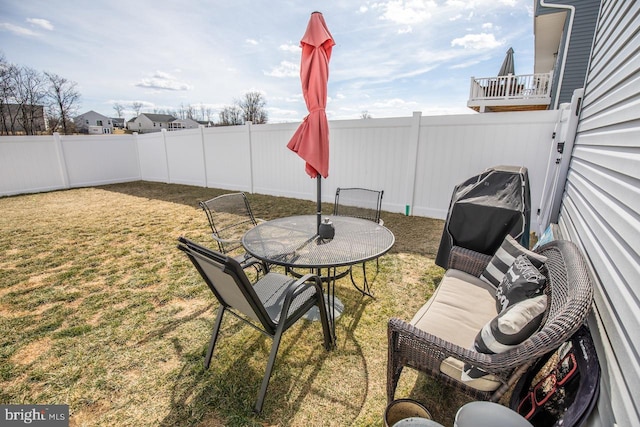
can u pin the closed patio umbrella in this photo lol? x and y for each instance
(311, 140)
(507, 65)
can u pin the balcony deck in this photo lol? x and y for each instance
(523, 92)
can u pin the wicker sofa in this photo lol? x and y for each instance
(437, 341)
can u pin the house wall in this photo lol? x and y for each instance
(601, 206)
(91, 118)
(416, 160)
(580, 40)
(144, 124)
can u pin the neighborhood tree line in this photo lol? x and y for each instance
(34, 102)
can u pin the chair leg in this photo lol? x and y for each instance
(214, 337)
(267, 375)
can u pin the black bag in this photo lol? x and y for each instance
(563, 387)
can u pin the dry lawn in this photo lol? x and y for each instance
(100, 311)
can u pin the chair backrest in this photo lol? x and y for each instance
(229, 217)
(570, 293)
(228, 282)
(359, 203)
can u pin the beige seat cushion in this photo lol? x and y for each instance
(461, 305)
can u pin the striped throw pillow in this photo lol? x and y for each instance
(503, 259)
(505, 331)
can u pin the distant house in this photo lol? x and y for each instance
(16, 119)
(206, 123)
(118, 122)
(93, 123)
(179, 124)
(147, 122)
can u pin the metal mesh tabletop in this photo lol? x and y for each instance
(293, 242)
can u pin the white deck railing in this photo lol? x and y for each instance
(534, 87)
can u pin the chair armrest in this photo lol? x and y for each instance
(424, 350)
(467, 260)
(218, 239)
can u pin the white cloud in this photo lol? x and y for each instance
(394, 103)
(290, 47)
(164, 81)
(407, 11)
(285, 69)
(405, 30)
(15, 29)
(477, 41)
(252, 42)
(487, 26)
(42, 23)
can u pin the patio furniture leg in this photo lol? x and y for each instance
(365, 289)
(214, 337)
(270, 363)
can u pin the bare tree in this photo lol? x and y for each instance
(365, 115)
(8, 81)
(190, 112)
(136, 106)
(119, 109)
(30, 93)
(231, 116)
(252, 106)
(63, 101)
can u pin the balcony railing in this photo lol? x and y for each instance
(512, 92)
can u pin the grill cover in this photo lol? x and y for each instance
(484, 209)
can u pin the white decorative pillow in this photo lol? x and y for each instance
(507, 330)
(504, 257)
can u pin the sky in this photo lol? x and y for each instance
(391, 58)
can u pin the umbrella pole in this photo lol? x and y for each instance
(318, 202)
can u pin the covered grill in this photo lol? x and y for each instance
(484, 209)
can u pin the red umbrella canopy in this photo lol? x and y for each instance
(311, 140)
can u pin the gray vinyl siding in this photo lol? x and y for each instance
(601, 206)
(584, 21)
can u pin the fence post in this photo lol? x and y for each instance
(135, 144)
(62, 162)
(412, 162)
(250, 144)
(166, 153)
(204, 156)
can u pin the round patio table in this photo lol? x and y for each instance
(293, 242)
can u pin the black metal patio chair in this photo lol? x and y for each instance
(360, 203)
(230, 216)
(271, 305)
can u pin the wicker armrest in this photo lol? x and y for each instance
(413, 347)
(467, 260)
(419, 345)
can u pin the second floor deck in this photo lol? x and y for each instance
(523, 92)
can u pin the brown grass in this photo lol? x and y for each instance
(99, 310)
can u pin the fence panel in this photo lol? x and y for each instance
(153, 157)
(416, 160)
(454, 148)
(227, 157)
(29, 164)
(100, 159)
(185, 160)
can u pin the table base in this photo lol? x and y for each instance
(313, 313)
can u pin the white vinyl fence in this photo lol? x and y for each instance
(416, 160)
